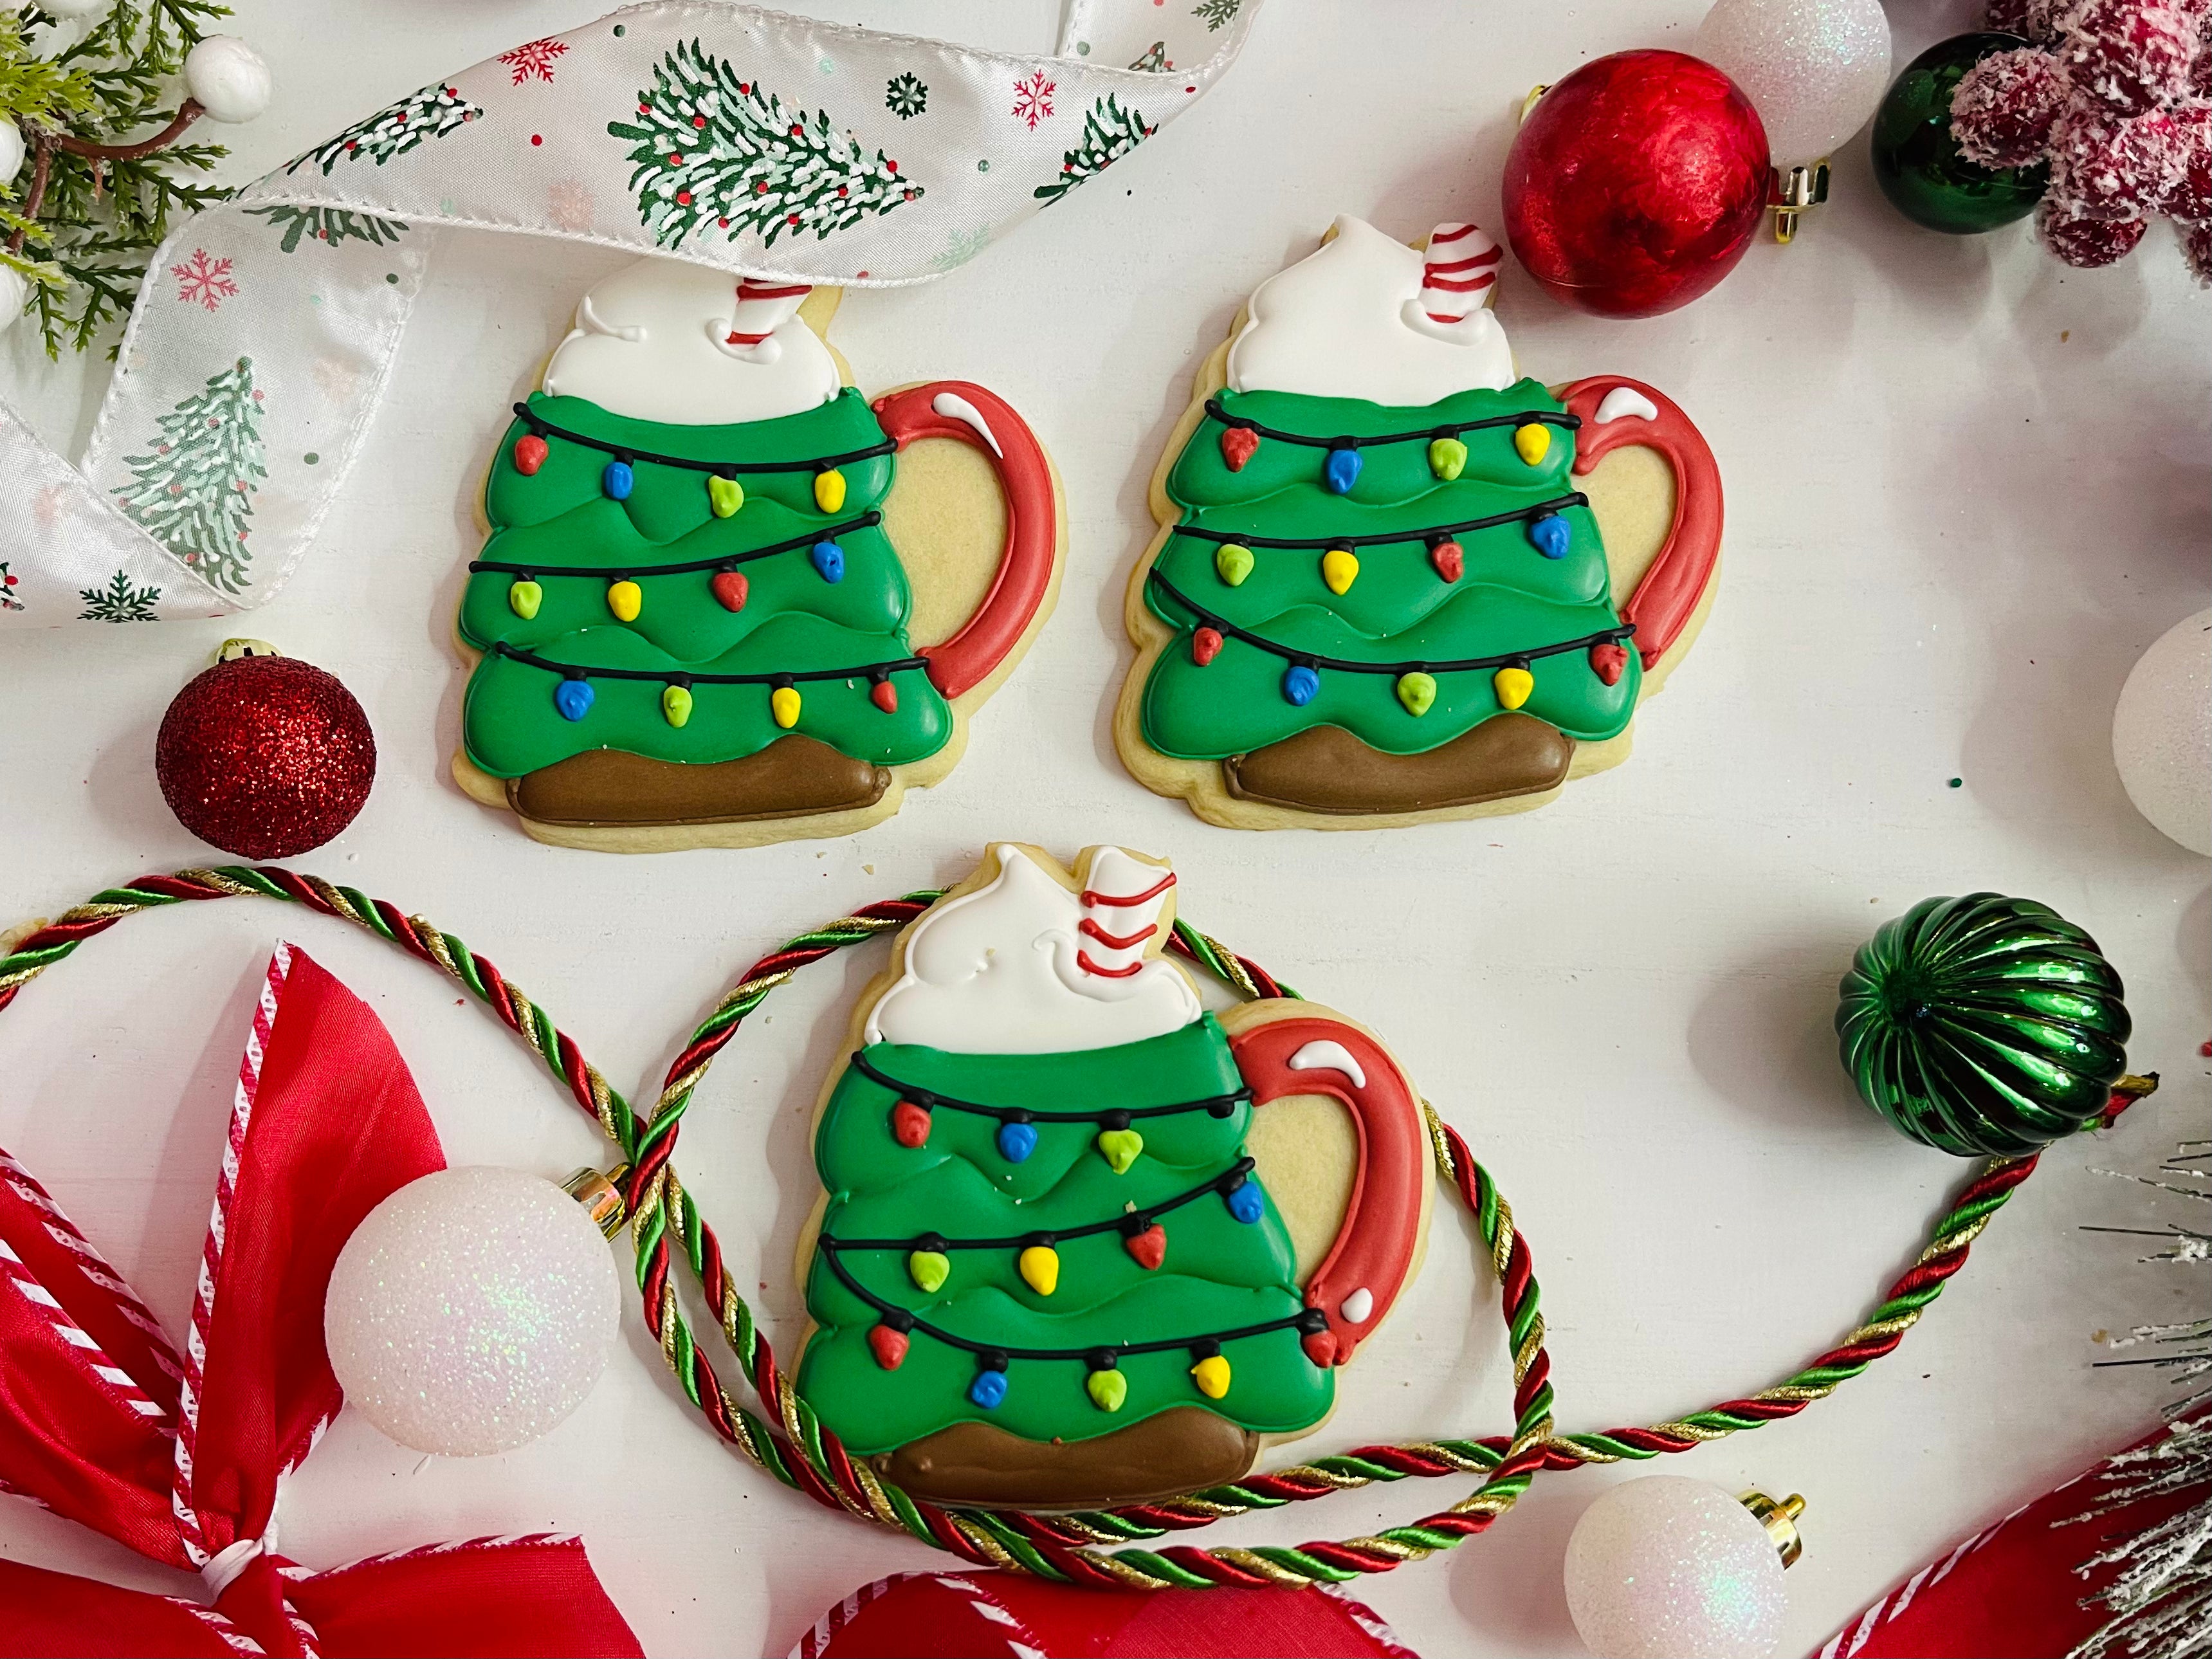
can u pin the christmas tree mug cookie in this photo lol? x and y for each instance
(1394, 581)
(1083, 1242)
(698, 612)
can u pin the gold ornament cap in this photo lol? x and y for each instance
(601, 1194)
(233, 650)
(1780, 1520)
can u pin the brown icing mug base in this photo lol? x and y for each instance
(1327, 769)
(1181, 1449)
(794, 776)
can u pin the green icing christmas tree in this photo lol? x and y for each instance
(713, 149)
(193, 490)
(1439, 572)
(691, 593)
(390, 133)
(999, 1248)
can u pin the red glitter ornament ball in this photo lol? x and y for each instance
(265, 757)
(1636, 183)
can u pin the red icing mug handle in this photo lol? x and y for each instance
(1616, 413)
(1373, 1254)
(962, 409)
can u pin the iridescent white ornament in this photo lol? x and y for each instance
(1814, 69)
(471, 1310)
(227, 79)
(2162, 733)
(11, 149)
(1667, 1568)
(73, 8)
(15, 295)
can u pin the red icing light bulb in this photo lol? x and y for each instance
(1449, 559)
(1205, 646)
(910, 1124)
(884, 695)
(729, 588)
(1237, 445)
(1320, 1347)
(1149, 1248)
(1608, 662)
(530, 452)
(888, 1346)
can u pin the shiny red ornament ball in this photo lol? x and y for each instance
(265, 757)
(1636, 183)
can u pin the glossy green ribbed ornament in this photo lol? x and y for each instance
(1983, 1024)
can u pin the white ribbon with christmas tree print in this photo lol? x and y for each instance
(768, 145)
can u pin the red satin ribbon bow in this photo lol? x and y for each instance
(177, 1455)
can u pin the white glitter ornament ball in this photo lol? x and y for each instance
(227, 79)
(1670, 1568)
(1814, 69)
(2162, 733)
(11, 149)
(471, 1310)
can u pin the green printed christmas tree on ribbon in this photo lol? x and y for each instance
(712, 148)
(1109, 132)
(390, 133)
(1161, 1242)
(328, 225)
(1404, 574)
(193, 490)
(691, 593)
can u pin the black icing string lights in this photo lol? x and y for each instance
(725, 494)
(573, 696)
(929, 1265)
(1510, 679)
(1531, 442)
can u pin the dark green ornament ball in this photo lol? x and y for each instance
(1916, 160)
(1983, 1024)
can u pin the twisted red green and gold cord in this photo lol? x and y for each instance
(803, 1454)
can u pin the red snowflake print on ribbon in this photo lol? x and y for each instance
(1033, 98)
(203, 281)
(533, 60)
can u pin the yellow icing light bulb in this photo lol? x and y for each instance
(829, 490)
(1339, 569)
(1107, 1390)
(929, 1269)
(1513, 686)
(1533, 442)
(783, 703)
(1040, 1266)
(524, 597)
(1447, 458)
(1211, 1375)
(1121, 1148)
(625, 599)
(724, 496)
(676, 704)
(1233, 563)
(1417, 691)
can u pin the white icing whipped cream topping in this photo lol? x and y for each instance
(1009, 970)
(1335, 325)
(654, 341)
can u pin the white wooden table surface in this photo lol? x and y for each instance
(1967, 488)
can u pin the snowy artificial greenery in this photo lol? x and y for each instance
(79, 236)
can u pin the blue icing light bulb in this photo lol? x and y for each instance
(988, 1390)
(1341, 470)
(1245, 1203)
(1301, 684)
(829, 562)
(1551, 535)
(1017, 1141)
(573, 698)
(618, 480)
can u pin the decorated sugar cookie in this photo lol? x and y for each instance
(693, 626)
(1395, 580)
(1082, 1242)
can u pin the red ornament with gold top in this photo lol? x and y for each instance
(1636, 183)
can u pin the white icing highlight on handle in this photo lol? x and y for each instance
(954, 407)
(1348, 321)
(1328, 1056)
(1356, 1307)
(1625, 400)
